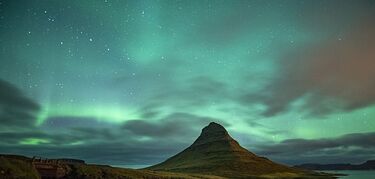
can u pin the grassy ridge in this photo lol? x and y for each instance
(12, 166)
(99, 172)
(20, 167)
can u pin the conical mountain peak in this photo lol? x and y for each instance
(215, 151)
(214, 132)
(213, 127)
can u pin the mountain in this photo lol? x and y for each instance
(215, 152)
(368, 165)
(214, 155)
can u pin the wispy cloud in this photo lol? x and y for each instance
(335, 74)
(16, 110)
(354, 147)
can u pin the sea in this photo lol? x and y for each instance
(354, 174)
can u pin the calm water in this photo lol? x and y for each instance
(353, 174)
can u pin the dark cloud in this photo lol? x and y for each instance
(96, 134)
(136, 142)
(13, 138)
(175, 125)
(150, 110)
(332, 75)
(15, 108)
(364, 140)
(58, 138)
(126, 152)
(97, 145)
(353, 147)
(145, 128)
(64, 122)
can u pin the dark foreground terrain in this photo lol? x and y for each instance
(215, 154)
(20, 167)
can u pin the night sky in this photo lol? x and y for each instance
(130, 83)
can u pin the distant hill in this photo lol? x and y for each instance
(216, 152)
(368, 165)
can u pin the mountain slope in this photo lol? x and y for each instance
(216, 152)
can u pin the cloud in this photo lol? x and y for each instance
(16, 110)
(193, 93)
(354, 147)
(96, 145)
(135, 142)
(175, 125)
(65, 122)
(332, 75)
(59, 138)
(113, 153)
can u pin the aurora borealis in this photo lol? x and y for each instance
(132, 82)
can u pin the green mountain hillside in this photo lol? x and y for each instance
(216, 152)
